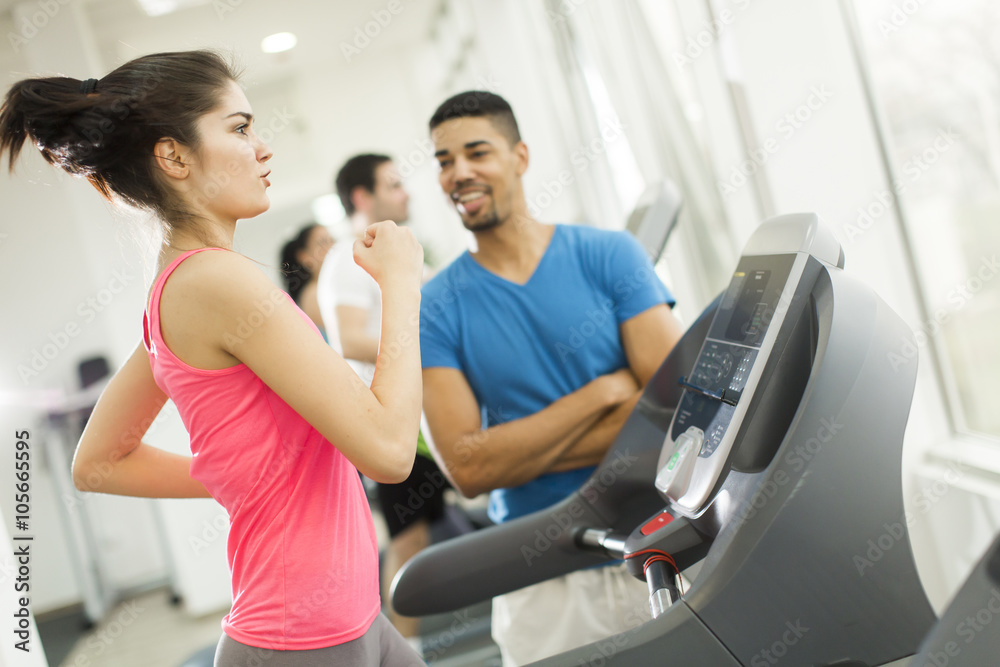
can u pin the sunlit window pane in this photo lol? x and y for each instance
(936, 73)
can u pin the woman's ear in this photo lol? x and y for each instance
(171, 158)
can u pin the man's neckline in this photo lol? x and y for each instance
(538, 266)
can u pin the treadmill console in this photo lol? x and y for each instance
(725, 375)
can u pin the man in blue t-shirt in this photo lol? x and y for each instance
(535, 349)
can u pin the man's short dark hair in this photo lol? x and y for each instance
(479, 103)
(359, 171)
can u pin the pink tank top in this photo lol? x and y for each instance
(302, 549)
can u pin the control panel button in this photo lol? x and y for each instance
(657, 522)
(675, 475)
(731, 396)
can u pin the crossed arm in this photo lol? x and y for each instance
(573, 432)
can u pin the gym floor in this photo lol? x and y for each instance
(150, 631)
(146, 630)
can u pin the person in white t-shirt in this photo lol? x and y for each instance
(370, 190)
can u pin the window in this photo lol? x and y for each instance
(628, 83)
(935, 72)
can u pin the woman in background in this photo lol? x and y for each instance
(279, 423)
(301, 259)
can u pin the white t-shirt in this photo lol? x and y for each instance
(343, 283)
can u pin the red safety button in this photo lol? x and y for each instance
(657, 522)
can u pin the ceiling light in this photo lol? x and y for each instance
(161, 7)
(278, 42)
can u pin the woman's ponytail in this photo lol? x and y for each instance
(105, 130)
(64, 122)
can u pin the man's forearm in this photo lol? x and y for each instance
(520, 450)
(589, 449)
(360, 348)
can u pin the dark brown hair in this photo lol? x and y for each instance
(293, 272)
(477, 104)
(358, 172)
(107, 136)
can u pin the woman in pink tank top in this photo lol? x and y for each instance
(279, 424)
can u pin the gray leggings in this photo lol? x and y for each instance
(381, 646)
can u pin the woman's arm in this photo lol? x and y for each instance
(375, 428)
(111, 457)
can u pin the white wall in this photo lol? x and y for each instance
(72, 285)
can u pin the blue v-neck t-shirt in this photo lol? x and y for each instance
(522, 347)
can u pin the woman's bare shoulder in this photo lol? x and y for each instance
(221, 277)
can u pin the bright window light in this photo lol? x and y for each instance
(327, 210)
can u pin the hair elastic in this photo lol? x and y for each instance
(88, 86)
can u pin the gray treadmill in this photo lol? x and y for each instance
(968, 634)
(767, 447)
(655, 216)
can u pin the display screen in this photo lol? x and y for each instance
(719, 377)
(751, 300)
(750, 312)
